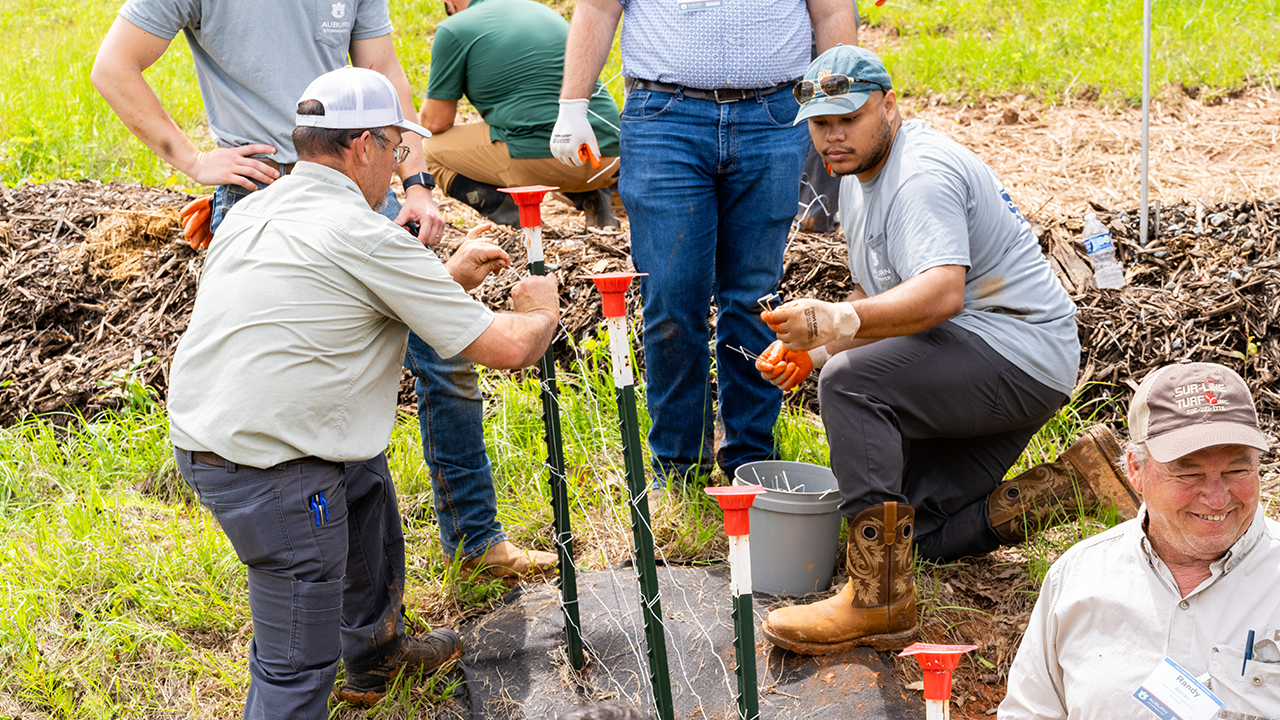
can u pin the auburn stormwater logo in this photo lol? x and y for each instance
(339, 10)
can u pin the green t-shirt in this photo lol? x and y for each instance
(507, 57)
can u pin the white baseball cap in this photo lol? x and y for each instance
(355, 98)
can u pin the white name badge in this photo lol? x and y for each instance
(690, 5)
(1172, 693)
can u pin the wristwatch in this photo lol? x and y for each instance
(423, 178)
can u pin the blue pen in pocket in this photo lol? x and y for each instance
(320, 507)
(1248, 653)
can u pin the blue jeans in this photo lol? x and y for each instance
(711, 191)
(324, 583)
(450, 414)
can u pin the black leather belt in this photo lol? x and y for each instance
(210, 458)
(722, 95)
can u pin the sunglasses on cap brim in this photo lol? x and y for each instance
(830, 86)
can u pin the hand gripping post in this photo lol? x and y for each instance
(530, 200)
(736, 503)
(613, 287)
(937, 661)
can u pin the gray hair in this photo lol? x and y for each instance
(312, 142)
(1139, 452)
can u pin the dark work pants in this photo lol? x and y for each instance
(318, 588)
(934, 420)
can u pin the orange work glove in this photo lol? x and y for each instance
(784, 368)
(586, 156)
(195, 221)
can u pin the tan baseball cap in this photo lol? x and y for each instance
(1186, 407)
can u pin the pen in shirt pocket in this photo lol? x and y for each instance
(1248, 653)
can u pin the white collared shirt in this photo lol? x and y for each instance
(1109, 611)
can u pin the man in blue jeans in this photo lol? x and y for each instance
(251, 75)
(710, 177)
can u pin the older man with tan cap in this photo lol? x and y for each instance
(1178, 610)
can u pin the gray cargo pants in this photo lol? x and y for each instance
(325, 553)
(933, 420)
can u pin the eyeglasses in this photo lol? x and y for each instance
(831, 86)
(401, 152)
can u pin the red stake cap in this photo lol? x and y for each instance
(613, 286)
(735, 501)
(529, 198)
(937, 661)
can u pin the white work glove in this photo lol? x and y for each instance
(807, 324)
(572, 131)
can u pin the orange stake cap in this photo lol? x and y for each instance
(736, 501)
(937, 661)
(529, 198)
(613, 286)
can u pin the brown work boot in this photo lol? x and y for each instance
(1083, 477)
(505, 560)
(368, 685)
(876, 608)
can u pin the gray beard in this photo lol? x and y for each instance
(381, 204)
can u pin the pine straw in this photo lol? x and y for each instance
(1055, 159)
(116, 245)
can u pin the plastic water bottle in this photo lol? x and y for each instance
(1107, 272)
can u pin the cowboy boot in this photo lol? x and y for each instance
(875, 608)
(1083, 477)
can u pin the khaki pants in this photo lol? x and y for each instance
(466, 150)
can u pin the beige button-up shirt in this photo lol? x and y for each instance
(1109, 611)
(299, 330)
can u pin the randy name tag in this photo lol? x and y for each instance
(689, 5)
(1172, 693)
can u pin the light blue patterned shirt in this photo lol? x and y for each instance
(735, 44)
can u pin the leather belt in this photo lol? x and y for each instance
(210, 458)
(282, 169)
(721, 96)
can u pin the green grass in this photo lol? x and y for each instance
(55, 125)
(965, 49)
(120, 597)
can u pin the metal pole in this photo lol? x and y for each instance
(637, 485)
(744, 626)
(531, 222)
(1146, 116)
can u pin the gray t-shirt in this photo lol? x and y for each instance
(935, 203)
(300, 325)
(254, 60)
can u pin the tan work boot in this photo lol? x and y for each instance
(1083, 477)
(876, 608)
(504, 559)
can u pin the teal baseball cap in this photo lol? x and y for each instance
(839, 81)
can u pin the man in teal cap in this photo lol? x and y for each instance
(955, 347)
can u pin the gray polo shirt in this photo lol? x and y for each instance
(253, 60)
(298, 335)
(935, 203)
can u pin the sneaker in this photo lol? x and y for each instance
(365, 687)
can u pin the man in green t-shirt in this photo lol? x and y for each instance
(507, 57)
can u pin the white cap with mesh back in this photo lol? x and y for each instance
(1186, 407)
(355, 98)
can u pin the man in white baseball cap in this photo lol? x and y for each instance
(284, 388)
(1187, 594)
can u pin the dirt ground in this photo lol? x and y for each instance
(96, 287)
